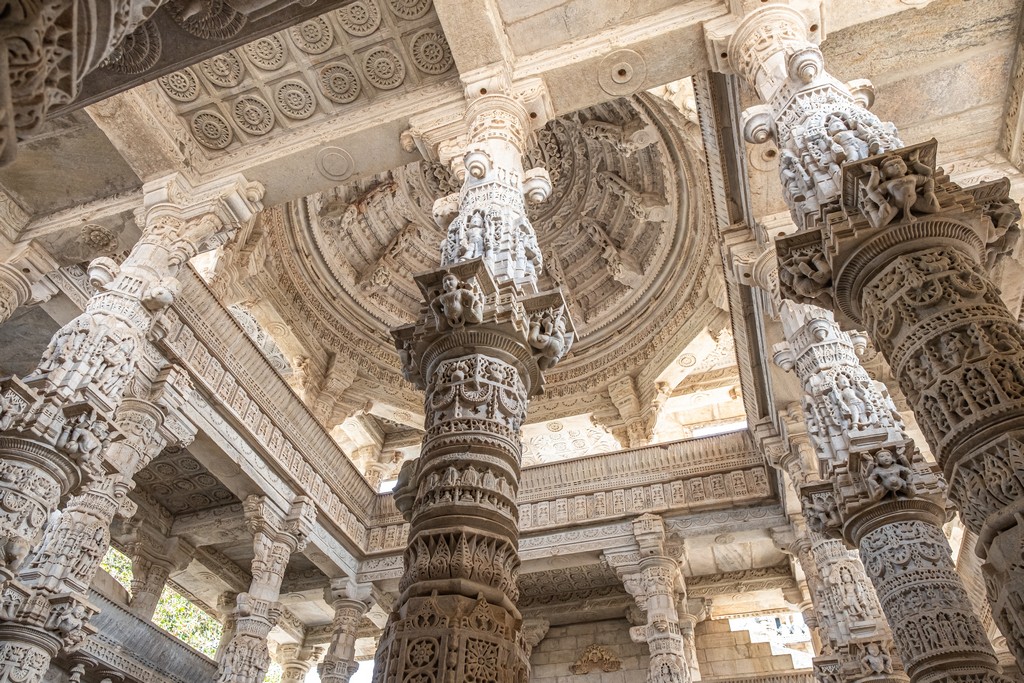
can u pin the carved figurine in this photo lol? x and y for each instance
(887, 474)
(822, 514)
(848, 142)
(117, 367)
(457, 305)
(809, 275)
(893, 189)
(875, 660)
(410, 369)
(852, 404)
(474, 241)
(1003, 230)
(795, 179)
(548, 337)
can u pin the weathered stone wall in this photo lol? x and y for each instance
(563, 646)
(726, 654)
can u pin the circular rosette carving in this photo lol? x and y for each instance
(409, 9)
(294, 100)
(267, 53)
(137, 53)
(361, 18)
(224, 70)
(383, 68)
(253, 115)
(181, 86)
(211, 130)
(339, 83)
(430, 52)
(313, 37)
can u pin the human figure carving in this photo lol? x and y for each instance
(852, 404)
(875, 660)
(474, 242)
(893, 189)
(457, 305)
(548, 337)
(889, 475)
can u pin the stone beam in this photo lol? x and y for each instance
(207, 527)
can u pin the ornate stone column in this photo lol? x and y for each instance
(55, 426)
(153, 562)
(276, 536)
(655, 580)
(892, 244)
(226, 603)
(296, 661)
(889, 503)
(850, 622)
(23, 268)
(351, 601)
(45, 608)
(691, 613)
(480, 347)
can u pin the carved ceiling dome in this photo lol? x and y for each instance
(622, 233)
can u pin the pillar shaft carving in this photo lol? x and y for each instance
(153, 561)
(479, 349)
(654, 578)
(296, 661)
(56, 426)
(891, 243)
(351, 602)
(246, 657)
(848, 614)
(889, 503)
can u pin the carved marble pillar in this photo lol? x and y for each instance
(482, 342)
(691, 613)
(153, 562)
(351, 601)
(44, 610)
(889, 503)
(276, 536)
(889, 242)
(846, 611)
(655, 580)
(296, 661)
(226, 603)
(26, 265)
(55, 425)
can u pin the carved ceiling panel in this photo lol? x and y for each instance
(181, 484)
(310, 72)
(623, 235)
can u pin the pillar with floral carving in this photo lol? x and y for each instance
(653, 576)
(55, 423)
(484, 338)
(276, 535)
(45, 607)
(351, 601)
(887, 501)
(887, 241)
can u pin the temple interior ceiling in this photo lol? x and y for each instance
(324, 109)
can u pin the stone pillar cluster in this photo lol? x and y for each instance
(479, 349)
(890, 244)
(653, 576)
(68, 429)
(246, 657)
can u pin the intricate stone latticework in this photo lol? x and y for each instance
(653, 576)
(276, 536)
(889, 502)
(480, 347)
(350, 601)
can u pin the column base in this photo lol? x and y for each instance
(452, 639)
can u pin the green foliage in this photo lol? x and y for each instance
(174, 613)
(273, 674)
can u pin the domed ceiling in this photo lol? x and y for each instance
(626, 234)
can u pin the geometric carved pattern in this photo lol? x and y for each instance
(310, 72)
(180, 483)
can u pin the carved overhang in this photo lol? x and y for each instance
(181, 34)
(622, 234)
